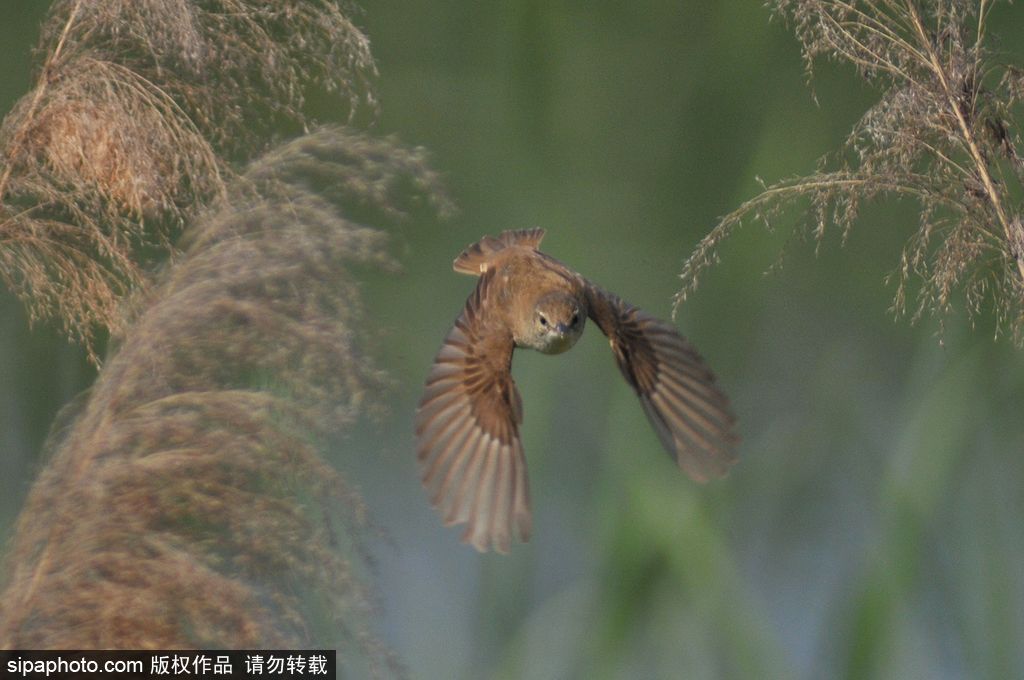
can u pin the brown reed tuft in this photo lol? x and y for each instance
(944, 133)
(187, 503)
(138, 111)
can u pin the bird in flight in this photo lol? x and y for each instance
(467, 424)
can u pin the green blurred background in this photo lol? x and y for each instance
(873, 525)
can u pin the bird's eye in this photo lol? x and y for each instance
(543, 320)
(575, 318)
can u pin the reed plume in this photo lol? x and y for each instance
(944, 133)
(139, 112)
(187, 503)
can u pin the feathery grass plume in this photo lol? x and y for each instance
(187, 504)
(943, 134)
(137, 112)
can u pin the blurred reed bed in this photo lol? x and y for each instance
(187, 503)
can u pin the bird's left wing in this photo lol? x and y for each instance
(467, 429)
(675, 386)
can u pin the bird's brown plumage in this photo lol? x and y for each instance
(467, 424)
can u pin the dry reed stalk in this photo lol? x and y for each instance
(139, 111)
(944, 134)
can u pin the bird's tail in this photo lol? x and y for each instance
(475, 258)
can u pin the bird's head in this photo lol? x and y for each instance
(557, 323)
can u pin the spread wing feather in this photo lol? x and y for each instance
(676, 388)
(467, 430)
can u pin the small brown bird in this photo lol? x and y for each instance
(467, 424)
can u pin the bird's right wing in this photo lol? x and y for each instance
(467, 430)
